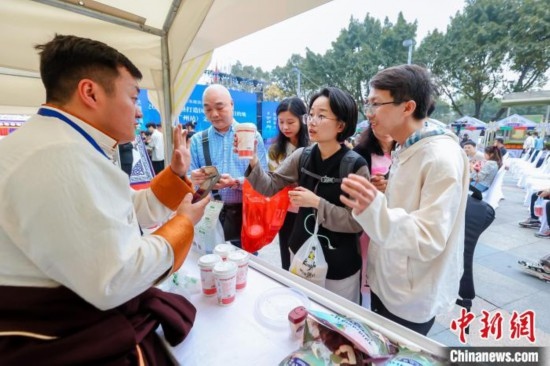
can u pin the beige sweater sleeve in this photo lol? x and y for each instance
(331, 216)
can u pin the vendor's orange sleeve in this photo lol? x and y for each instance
(178, 232)
(170, 189)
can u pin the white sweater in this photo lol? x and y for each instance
(415, 260)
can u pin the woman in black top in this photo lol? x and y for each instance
(331, 119)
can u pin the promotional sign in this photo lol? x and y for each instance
(244, 108)
(269, 120)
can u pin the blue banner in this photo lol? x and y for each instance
(150, 113)
(245, 110)
(269, 120)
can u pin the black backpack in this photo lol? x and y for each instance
(346, 165)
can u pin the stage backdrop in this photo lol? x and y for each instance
(246, 110)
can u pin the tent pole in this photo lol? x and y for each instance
(167, 99)
(167, 123)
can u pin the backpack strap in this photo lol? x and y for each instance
(346, 166)
(206, 147)
(348, 163)
(207, 159)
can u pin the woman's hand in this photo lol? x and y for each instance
(181, 157)
(379, 182)
(303, 197)
(254, 161)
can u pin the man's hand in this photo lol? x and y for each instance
(361, 192)
(181, 157)
(545, 193)
(226, 181)
(303, 197)
(193, 211)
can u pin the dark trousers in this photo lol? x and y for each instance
(127, 168)
(284, 236)
(379, 308)
(158, 166)
(231, 218)
(534, 198)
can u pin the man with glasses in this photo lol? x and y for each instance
(417, 227)
(214, 146)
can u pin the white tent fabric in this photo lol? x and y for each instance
(515, 120)
(170, 41)
(468, 121)
(198, 27)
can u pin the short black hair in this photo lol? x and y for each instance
(66, 60)
(500, 139)
(154, 125)
(343, 106)
(470, 142)
(408, 82)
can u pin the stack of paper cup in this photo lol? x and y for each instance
(223, 250)
(240, 258)
(225, 275)
(206, 265)
(246, 135)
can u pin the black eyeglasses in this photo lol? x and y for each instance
(370, 108)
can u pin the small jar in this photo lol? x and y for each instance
(297, 321)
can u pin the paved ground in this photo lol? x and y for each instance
(500, 285)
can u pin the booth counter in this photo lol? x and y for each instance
(235, 335)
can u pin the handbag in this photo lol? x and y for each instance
(309, 262)
(262, 217)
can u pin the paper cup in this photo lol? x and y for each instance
(246, 133)
(206, 265)
(225, 276)
(240, 258)
(223, 250)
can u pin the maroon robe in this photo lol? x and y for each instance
(85, 334)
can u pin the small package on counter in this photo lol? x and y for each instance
(331, 339)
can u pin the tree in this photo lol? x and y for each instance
(358, 53)
(491, 48)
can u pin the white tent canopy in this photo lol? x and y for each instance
(471, 122)
(515, 120)
(170, 41)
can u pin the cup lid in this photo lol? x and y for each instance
(238, 256)
(225, 268)
(273, 306)
(209, 259)
(224, 248)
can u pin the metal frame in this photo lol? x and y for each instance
(165, 53)
(336, 303)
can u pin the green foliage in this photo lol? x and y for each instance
(490, 48)
(493, 47)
